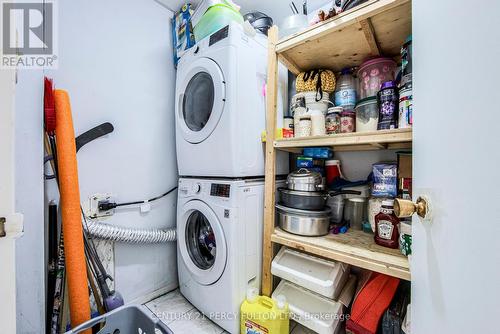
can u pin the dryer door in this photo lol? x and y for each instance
(201, 242)
(200, 99)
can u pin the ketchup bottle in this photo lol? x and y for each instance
(386, 226)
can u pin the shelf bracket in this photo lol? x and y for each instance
(367, 27)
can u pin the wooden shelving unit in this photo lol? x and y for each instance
(376, 27)
(384, 139)
(354, 247)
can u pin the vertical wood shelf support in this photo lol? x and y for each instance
(270, 169)
(367, 27)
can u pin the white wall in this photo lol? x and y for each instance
(115, 61)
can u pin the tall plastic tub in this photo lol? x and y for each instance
(215, 18)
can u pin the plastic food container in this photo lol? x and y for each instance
(372, 73)
(293, 24)
(314, 311)
(318, 275)
(367, 115)
(215, 18)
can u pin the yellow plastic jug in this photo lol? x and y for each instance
(263, 315)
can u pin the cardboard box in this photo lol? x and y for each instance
(404, 165)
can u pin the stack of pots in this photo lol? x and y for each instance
(302, 205)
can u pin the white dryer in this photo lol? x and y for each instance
(220, 106)
(219, 233)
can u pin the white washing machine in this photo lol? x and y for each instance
(220, 106)
(219, 233)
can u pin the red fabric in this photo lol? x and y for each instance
(371, 303)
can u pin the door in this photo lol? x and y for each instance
(200, 98)
(456, 257)
(11, 223)
(201, 242)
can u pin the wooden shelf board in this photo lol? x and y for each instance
(354, 247)
(372, 28)
(355, 141)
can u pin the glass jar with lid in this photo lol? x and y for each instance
(332, 120)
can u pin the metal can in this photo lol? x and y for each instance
(405, 108)
(347, 121)
(332, 120)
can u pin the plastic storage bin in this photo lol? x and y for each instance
(131, 319)
(215, 18)
(315, 312)
(372, 73)
(321, 276)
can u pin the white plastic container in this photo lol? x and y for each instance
(321, 276)
(311, 310)
(317, 122)
(293, 24)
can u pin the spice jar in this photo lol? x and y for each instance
(347, 121)
(303, 128)
(332, 121)
(317, 122)
(386, 226)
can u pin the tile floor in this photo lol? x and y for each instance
(182, 317)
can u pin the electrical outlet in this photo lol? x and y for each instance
(92, 210)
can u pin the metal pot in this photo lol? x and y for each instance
(303, 222)
(308, 200)
(304, 180)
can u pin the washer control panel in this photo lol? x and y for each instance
(220, 190)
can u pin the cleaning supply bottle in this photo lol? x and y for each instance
(263, 315)
(345, 92)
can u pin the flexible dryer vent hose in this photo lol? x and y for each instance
(129, 235)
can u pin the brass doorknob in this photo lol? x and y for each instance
(404, 208)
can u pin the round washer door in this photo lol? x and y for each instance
(201, 242)
(200, 99)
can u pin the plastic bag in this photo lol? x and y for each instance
(385, 180)
(182, 32)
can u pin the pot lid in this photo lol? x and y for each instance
(306, 213)
(304, 175)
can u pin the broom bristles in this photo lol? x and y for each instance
(49, 106)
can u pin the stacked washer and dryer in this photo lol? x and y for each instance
(220, 114)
